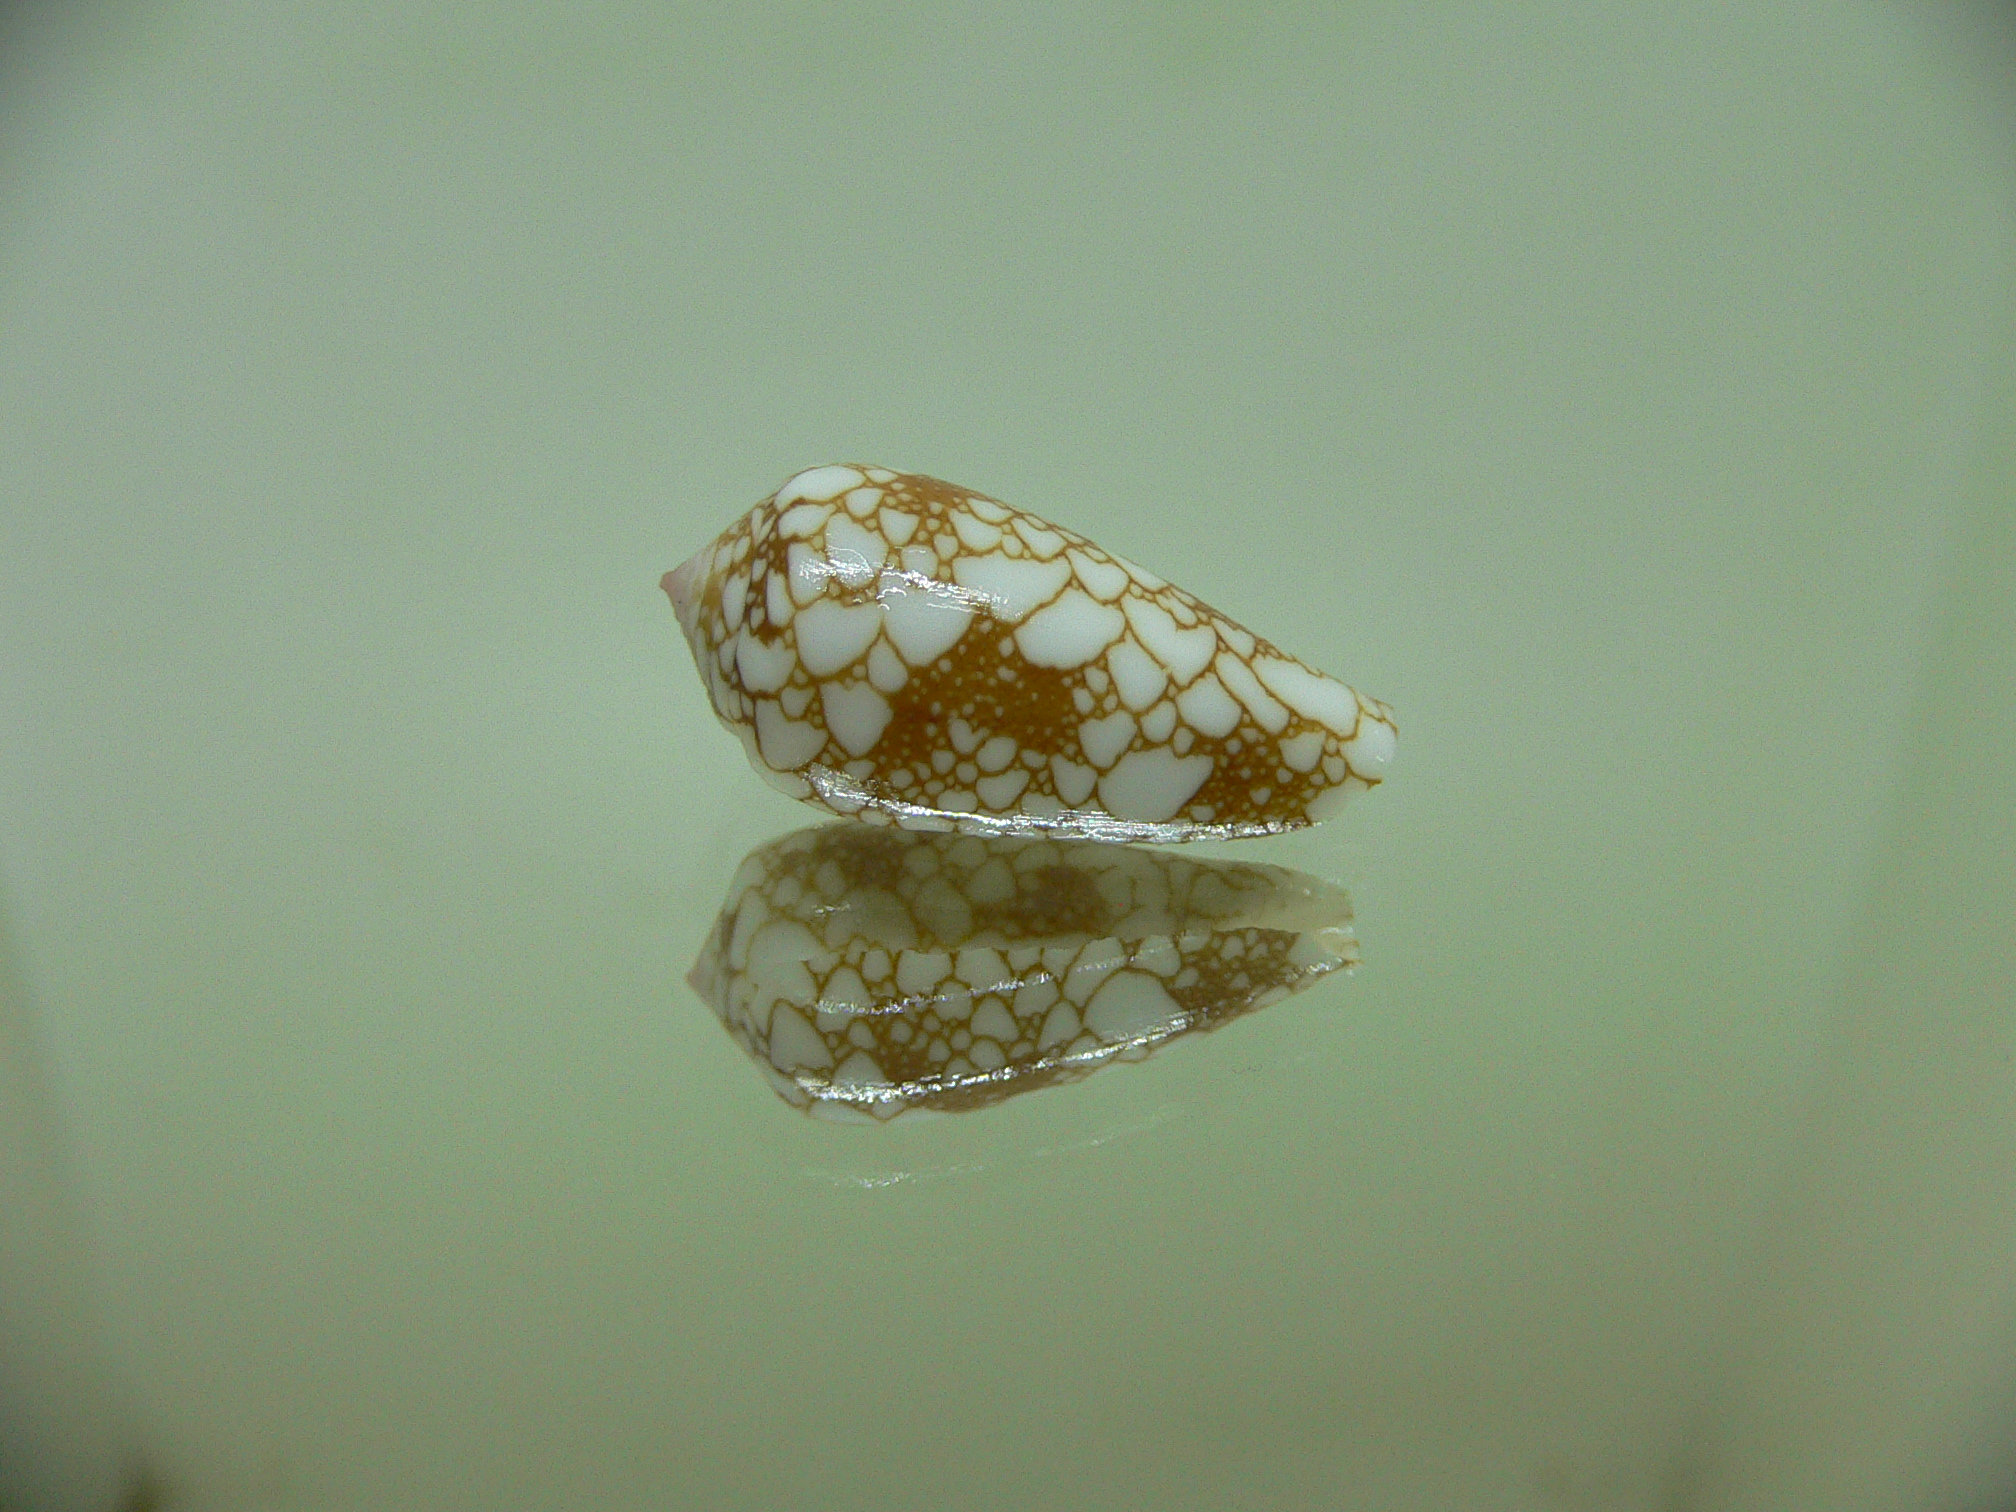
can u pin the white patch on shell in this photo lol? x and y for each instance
(793, 1042)
(999, 791)
(821, 483)
(1045, 543)
(1152, 785)
(1074, 782)
(832, 636)
(854, 554)
(803, 522)
(1300, 753)
(1103, 740)
(859, 1073)
(1103, 580)
(777, 600)
(975, 535)
(1184, 652)
(763, 669)
(1330, 802)
(1013, 587)
(885, 668)
(1060, 1026)
(1138, 676)
(735, 599)
(1310, 694)
(922, 620)
(856, 715)
(1131, 1005)
(1070, 632)
(785, 743)
(809, 571)
(1208, 708)
(1237, 676)
(1372, 751)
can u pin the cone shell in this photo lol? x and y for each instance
(869, 972)
(903, 650)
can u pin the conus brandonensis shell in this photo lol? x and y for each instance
(903, 650)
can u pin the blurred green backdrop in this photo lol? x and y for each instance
(1594, 384)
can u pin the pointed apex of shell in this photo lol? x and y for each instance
(683, 585)
(678, 583)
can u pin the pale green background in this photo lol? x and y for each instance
(1598, 385)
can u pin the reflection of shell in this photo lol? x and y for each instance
(899, 648)
(869, 972)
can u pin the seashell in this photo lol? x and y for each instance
(903, 650)
(869, 972)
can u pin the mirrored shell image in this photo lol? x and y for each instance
(870, 972)
(899, 649)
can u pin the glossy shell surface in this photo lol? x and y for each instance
(903, 650)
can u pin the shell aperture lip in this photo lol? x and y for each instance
(870, 972)
(866, 632)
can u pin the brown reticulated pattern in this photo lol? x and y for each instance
(869, 972)
(898, 648)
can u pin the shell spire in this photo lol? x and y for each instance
(903, 650)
